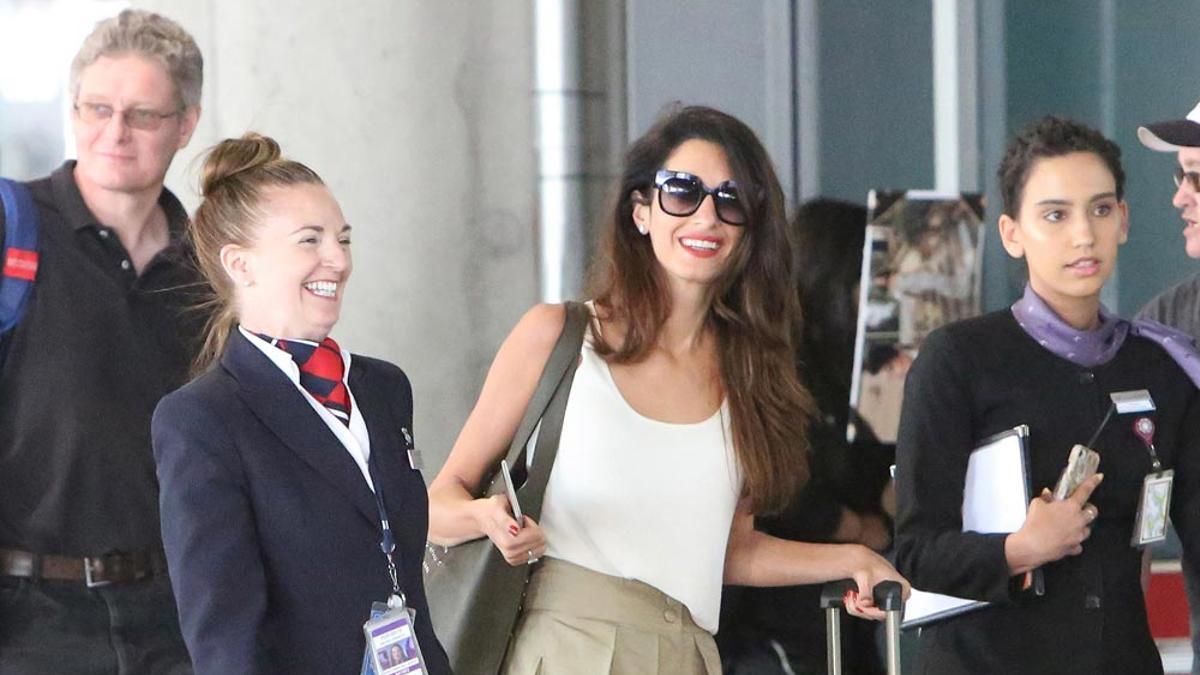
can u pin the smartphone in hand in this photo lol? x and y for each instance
(1081, 465)
(512, 493)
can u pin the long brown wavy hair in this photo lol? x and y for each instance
(753, 309)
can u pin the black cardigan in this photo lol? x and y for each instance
(982, 376)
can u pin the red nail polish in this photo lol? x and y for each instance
(512, 529)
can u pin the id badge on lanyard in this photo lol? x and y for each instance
(1154, 503)
(392, 647)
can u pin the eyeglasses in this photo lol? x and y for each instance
(141, 119)
(1192, 177)
(680, 194)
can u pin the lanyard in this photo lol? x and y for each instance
(388, 543)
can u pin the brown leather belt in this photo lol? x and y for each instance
(93, 571)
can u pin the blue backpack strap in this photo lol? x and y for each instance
(19, 254)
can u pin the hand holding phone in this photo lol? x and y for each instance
(512, 493)
(1081, 465)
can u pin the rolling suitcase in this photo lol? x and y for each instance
(889, 596)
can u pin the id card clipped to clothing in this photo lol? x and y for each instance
(1154, 503)
(392, 647)
(1154, 506)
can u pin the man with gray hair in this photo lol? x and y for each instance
(109, 329)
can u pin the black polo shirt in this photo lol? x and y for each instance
(98, 347)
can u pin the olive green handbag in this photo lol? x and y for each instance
(474, 595)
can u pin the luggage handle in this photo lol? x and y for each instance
(833, 594)
(833, 599)
(888, 596)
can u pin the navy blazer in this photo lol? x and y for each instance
(272, 534)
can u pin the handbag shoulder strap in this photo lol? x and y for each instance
(564, 355)
(548, 406)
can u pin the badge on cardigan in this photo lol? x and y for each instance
(1154, 504)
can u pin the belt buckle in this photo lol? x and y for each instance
(88, 579)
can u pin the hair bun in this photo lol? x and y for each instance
(234, 156)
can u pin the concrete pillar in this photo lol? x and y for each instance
(580, 99)
(419, 116)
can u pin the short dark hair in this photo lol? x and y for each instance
(1052, 137)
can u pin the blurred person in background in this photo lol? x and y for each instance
(782, 630)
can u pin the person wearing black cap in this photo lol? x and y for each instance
(1179, 306)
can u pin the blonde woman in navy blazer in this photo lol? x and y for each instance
(269, 517)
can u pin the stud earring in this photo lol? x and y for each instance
(642, 229)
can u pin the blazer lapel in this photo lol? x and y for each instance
(383, 429)
(277, 403)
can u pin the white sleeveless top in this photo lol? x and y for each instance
(637, 498)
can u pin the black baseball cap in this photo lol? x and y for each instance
(1172, 135)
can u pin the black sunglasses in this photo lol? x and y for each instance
(681, 194)
(1192, 177)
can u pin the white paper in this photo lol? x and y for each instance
(922, 607)
(995, 499)
(996, 493)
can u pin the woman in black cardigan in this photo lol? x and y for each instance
(1050, 363)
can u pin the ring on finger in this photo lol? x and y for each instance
(530, 558)
(1091, 512)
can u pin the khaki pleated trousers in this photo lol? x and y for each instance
(582, 622)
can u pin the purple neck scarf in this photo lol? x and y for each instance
(1096, 347)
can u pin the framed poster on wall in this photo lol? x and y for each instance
(922, 268)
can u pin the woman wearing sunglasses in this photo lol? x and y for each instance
(686, 418)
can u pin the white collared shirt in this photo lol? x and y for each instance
(353, 437)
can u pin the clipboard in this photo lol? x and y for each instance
(996, 496)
